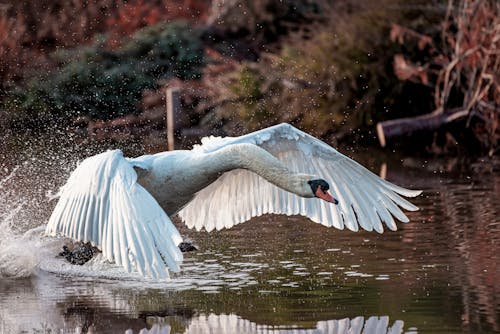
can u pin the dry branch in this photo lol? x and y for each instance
(409, 125)
(469, 62)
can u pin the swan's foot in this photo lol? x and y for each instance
(187, 247)
(79, 253)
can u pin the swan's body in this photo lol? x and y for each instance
(122, 205)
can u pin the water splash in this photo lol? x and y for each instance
(31, 170)
(20, 251)
(8, 177)
(20, 254)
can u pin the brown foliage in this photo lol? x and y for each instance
(130, 16)
(465, 68)
(12, 29)
(405, 70)
(30, 30)
(49, 24)
(401, 34)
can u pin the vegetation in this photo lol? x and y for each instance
(103, 84)
(336, 78)
(31, 30)
(461, 64)
(336, 69)
(436, 67)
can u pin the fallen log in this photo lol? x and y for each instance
(408, 125)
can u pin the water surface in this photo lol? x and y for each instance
(274, 274)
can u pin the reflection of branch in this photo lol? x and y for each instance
(475, 238)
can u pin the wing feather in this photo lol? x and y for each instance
(378, 196)
(103, 204)
(365, 200)
(362, 201)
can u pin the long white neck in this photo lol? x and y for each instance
(176, 177)
(264, 164)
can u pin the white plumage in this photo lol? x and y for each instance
(122, 205)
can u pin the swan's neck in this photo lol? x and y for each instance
(176, 177)
(264, 164)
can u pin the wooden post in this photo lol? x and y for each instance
(173, 99)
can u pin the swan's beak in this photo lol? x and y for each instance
(325, 195)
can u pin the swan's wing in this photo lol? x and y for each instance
(364, 199)
(102, 203)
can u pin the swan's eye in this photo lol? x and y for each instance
(322, 184)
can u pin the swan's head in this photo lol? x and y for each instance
(320, 189)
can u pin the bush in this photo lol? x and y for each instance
(30, 30)
(166, 50)
(260, 22)
(338, 79)
(103, 84)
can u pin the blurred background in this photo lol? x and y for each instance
(337, 69)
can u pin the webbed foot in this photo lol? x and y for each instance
(79, 253)
(187, 247)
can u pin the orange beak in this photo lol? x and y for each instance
(325, 195)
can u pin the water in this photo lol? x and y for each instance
(275, 274)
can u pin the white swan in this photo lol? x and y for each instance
(122, 205)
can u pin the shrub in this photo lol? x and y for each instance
(259, 22)
(31, 30)
(129, 16)
(166, 50)
(102, 84)
(339, 78)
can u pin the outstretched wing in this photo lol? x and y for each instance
(102, 203)
(364, 199)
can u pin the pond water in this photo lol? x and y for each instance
(274, 274)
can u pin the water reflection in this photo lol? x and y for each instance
(48, 304)
(461, 215)
(231, 323)
(473, 213)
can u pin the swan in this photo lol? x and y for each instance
(122, 205)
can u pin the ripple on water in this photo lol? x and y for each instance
(382, 277)
(300, 273)
(357, 274)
